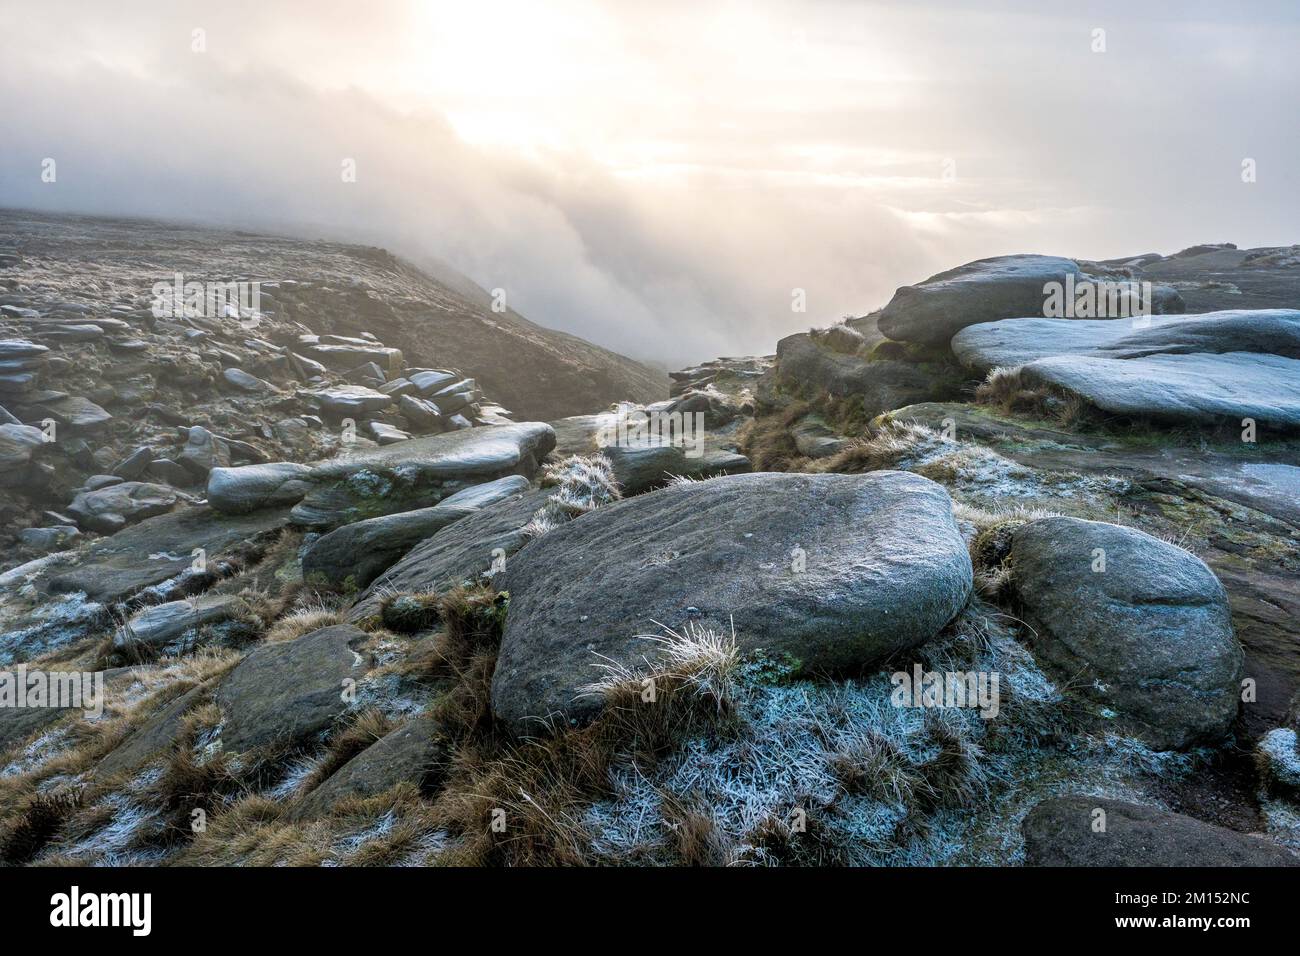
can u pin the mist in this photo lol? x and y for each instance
(662, 179)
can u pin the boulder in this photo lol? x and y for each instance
(1136, 623)
(203, 451)
(289, 693)
(987, 290)
(641, 467)
(250, 487)
(419, 473)
(111, 509)
(161, 624)
(46, 540)
(386, 434)
(806, 368)
(422, 414)
(460, 552)
(352, 556)
(413, 753)
(134, 464)
(830, 572)
(815, 439)
(1064, 831)
(166, 470)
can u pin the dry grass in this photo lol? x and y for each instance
(888, 445)
(1009, 390)
(303, 621)
(365, 729)
(768, 443)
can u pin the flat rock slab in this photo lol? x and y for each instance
(987, 290)
(1062, 832)
(1013, 342)
(112, 569)
(411, 753)
(459, 552)
(1134, 622)
(419, 473)
(152, 738)
(1188, 387)
(639, 468)
(291, 692)
(352, 556)
(884, 569)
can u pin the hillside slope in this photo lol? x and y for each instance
(340, 289)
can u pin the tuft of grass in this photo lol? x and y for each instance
(411, 613)
(582, 483)
(366, 728)
(1010, 390)
(768, 441)
(38, 820)
(887, 445)
(294, 625)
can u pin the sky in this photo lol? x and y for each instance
(669, 179)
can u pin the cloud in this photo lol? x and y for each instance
(660, 179)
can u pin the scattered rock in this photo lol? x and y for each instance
(354, 555)
(111, 509)
(245, 382)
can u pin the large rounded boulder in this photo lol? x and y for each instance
(829, 572)
(1136, 623)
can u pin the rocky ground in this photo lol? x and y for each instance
(445, 634)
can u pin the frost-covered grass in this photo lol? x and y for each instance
(582, 483)
(834, 773)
